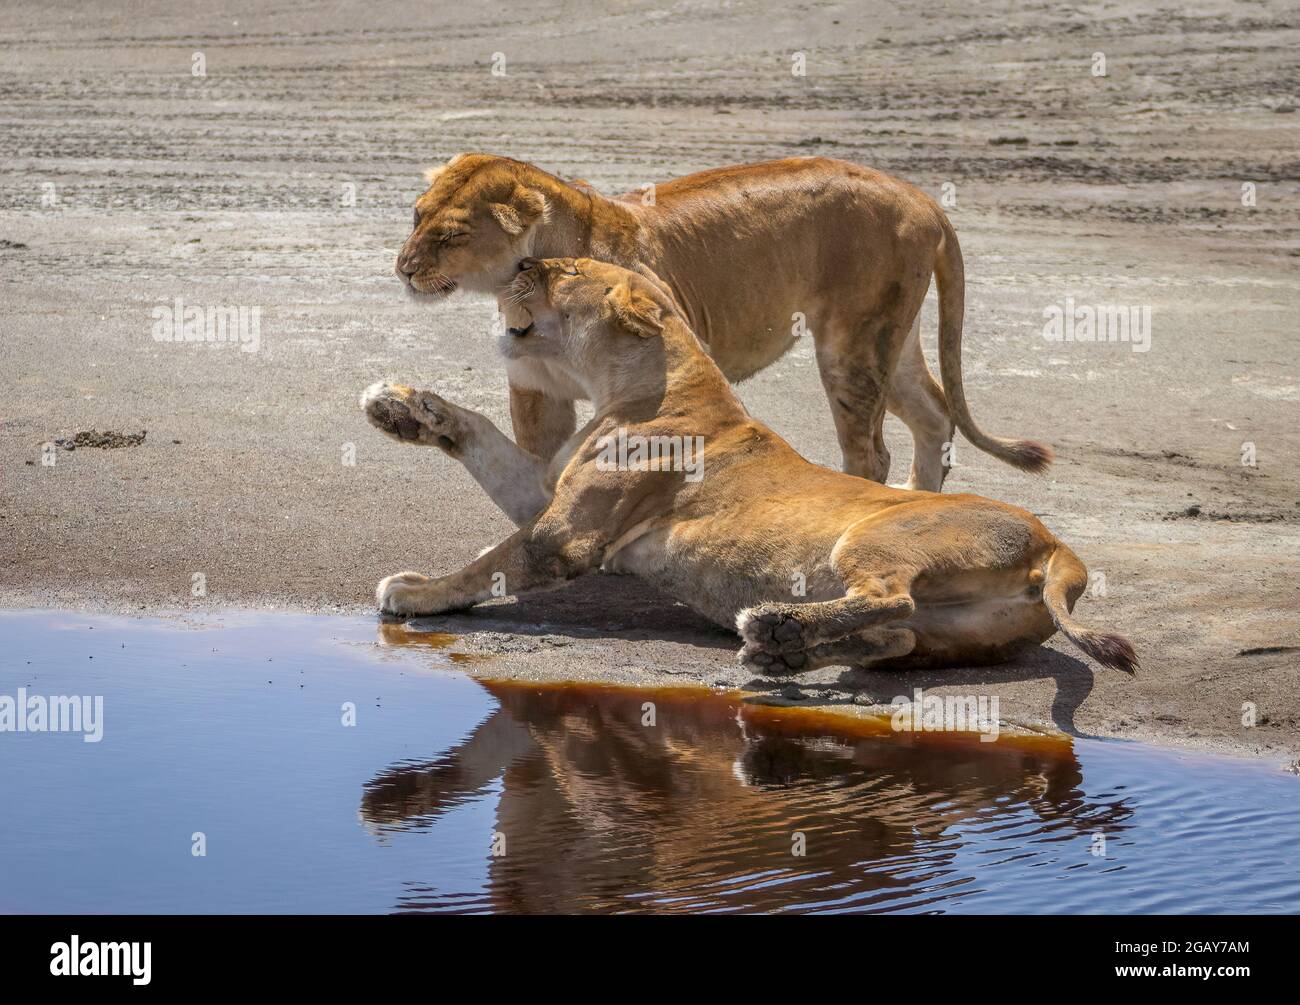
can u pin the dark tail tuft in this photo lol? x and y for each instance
(1113, 651)
(1030, 455)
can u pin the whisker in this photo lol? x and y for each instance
(518, 291)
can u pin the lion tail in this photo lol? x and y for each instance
(950, 278)
(1066, 580)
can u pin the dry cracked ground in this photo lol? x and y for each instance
(282, 179)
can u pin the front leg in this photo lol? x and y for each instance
(542, 423)
(540, 555)
(513, 478)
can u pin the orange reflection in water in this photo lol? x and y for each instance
(686, 799)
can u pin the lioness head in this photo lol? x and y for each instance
(471, 226)
(600, 322)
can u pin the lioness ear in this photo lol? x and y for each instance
(645, 272)
(525, 206)
(434, 173)
(633, 310)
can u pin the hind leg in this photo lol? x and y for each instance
(863, 649)
(786, 638)
(917, 399)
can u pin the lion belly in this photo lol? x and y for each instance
(719, 582)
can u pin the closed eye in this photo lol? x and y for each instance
(416, 222)
(452, 237)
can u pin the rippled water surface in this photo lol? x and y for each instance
(453, 795)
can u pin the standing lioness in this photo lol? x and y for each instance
(672, 480)
(752, 254)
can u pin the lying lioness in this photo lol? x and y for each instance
(823, 247)
(812, 566)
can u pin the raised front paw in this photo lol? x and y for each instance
(406, 594)
(413, 416)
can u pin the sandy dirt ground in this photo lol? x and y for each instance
(283, 180)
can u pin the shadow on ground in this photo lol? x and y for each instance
(604, 606)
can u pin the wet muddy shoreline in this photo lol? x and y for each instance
(486, 645)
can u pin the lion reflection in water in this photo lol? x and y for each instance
(702, 810)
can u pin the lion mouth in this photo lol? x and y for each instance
(521, 332)
(434, 286)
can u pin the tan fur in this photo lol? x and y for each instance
(889, 577)
(743, 250)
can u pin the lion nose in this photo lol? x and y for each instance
(406, 263)
(527, 263)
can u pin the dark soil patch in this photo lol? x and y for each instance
(106, 440)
